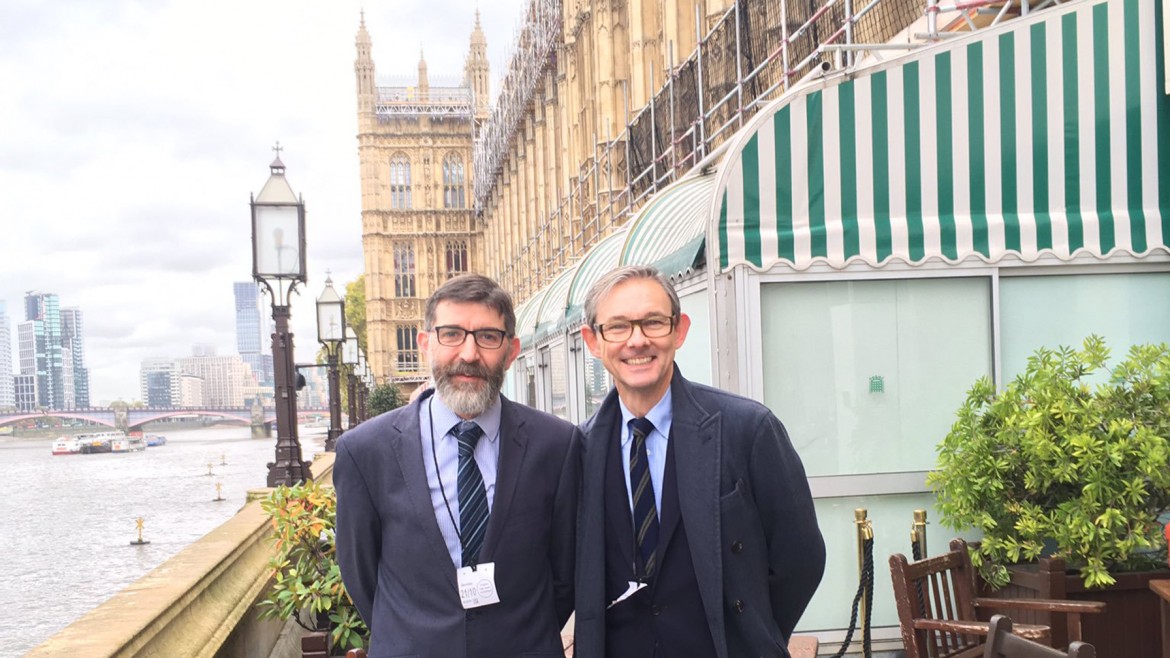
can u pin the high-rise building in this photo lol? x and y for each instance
(7, 384)
(73, 336)
(250, 343)
(160, 383)
(44, 311)
(26, 392)
(227, 380)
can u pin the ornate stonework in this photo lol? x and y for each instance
(415, 145)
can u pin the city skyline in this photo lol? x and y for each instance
(131, 149)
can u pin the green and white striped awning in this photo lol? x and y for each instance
(1047, 135)
(526, 317)
(601, 259)
(555, 304)
(668, 232)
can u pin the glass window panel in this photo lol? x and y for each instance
(595, 383)
(1049, 311)
(867, 375)
(560, 403)
(892, 517)
(694, 357)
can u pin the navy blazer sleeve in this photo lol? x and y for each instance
(796, 550)
(358, 540)
(563, 544)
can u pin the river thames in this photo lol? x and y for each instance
(68, 521)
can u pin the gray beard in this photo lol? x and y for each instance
(468, 401)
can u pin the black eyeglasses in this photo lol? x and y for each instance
(655, 326)
(453, 336)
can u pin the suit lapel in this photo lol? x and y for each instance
(406, 442)
(513, 447)
(697, 454)
(668, 516)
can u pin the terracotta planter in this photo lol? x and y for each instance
(1131, 625)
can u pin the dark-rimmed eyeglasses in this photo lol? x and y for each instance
(655, 326)
(453, 336)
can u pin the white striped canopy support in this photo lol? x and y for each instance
(1047, 135)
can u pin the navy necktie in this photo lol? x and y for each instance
(473, 504)
(642, 496)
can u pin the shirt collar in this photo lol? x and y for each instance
(660, 414)
(445, 419)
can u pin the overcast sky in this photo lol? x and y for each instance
(133, 132)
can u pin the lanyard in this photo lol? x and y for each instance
(439, 476)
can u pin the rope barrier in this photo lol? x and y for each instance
(864, 592)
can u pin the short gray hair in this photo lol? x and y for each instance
(605, 285)
(474, 289)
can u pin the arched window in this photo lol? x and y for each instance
(456, 257)
(407, 348)
(403, 269)
(453, 195)
(400, 182)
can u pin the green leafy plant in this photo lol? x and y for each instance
(306, 577)
(1057, 464)
(383, 398)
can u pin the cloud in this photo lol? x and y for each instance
(135, 133)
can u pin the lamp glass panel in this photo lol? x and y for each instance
(330, 321)
(278, 241)
(350, 351)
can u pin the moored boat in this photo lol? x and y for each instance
(67, 445)
(98, 441)
(127, 444)
(154, 440)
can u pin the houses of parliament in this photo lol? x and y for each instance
(603, 103)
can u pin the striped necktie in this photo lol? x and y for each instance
(642, 496)
(473, 503)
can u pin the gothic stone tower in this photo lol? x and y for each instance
(415, 147)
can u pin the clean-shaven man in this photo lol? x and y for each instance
(698, 536)
(456, 513)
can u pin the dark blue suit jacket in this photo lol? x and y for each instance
(755, 544)
(395, 563)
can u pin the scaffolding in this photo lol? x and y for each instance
(757, 50)
(534, 52)
(412, 101)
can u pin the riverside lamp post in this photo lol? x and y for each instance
(278, 262)
(350, 356)
(363, 388)
(331, 334)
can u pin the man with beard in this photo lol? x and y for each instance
(456, 513)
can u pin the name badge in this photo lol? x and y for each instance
(477, 587)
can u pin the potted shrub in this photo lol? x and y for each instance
(1064, 462)
(307, 583)
(1067, 467)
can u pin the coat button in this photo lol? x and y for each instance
(655, 610)
(738, 605)
(736, 547)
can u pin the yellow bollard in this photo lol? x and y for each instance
(918, 534)
(864, 534)
(139, 542)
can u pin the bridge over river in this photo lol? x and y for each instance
(134, 418)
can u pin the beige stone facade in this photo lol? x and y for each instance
(415, 144)
(603, 103)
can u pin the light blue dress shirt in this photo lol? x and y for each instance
(661, 415)
(446, 454)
